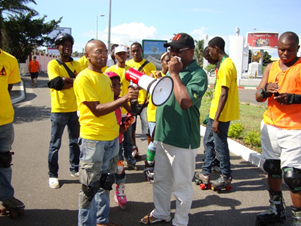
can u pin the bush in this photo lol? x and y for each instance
(236, 130)
(252, 138)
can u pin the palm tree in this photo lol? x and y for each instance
(198, 51)
(12, 7)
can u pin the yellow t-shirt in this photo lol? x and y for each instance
(83, 62)
(90, 86)
(147, 69)
(151, 108)
(9, 74)
(125, 83)
(62, 100)
(226, 76)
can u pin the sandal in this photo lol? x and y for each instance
(149, 219)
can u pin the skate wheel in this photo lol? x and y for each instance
(197, 182)
(135, 168)
(229, 188)
(3, 211)
(209, 186)
(13, 215)
(22, 212)
(202, 186)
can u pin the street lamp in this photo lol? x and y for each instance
(252, 45)
(97, 24)
(109, 28)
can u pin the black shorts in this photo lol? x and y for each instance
(34, 74)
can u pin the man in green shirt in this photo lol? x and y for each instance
(178, 134)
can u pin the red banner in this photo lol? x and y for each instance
(263, 39)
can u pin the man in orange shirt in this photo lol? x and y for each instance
(281, 130)
(34, 69)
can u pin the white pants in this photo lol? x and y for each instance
(282, 144)
(174, 171)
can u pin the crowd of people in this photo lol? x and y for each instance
(93, 98)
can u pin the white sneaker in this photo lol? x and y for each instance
(74, 174)
(54, 182)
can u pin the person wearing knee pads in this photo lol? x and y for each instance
(9, 75)
(100, 136)
(281, 130)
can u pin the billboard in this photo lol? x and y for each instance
(152, 51)
(262, 40)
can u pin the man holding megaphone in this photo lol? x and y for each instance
(178, 134)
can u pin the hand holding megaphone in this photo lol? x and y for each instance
(159, 89)
(132, 94)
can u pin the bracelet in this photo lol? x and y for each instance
(294, 99)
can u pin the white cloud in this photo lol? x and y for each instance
(198, 34)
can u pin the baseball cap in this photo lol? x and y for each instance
(112, 74)
(120, 49)
(180, 41)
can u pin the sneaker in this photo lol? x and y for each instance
(74, 174)
(54, 182)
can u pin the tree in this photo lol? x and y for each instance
(24, 34)
(12, 7)
(266, 58)
(198, 51)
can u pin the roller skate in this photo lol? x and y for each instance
(120, 197)
(275, 213)
(149, 171)
(131, 163)
(215, 167)
(13, 207)
(296, 214)
(136, 152)
(202, 180)
(222, 182)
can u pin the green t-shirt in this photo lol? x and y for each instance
(176, 126)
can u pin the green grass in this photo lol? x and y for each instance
(250, 115)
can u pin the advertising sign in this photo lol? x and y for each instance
(262, 40)
(152, 51)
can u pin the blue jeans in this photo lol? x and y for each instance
(100, 155)
(58, 123)
(217, 142)
(126, 146)
(6, 141)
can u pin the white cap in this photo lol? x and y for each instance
(120, 49)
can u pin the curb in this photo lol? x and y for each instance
(245, 153)
(22, 90)
(239, 87)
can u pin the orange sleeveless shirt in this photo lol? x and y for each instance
(284, 116)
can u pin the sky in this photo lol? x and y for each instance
(135, 20)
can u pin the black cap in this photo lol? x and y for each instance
(180, 41)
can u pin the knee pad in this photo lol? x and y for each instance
(292, 178)
(6, 159)
(272, 167)
(106, 181)
(91, 190)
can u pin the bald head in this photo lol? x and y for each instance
(97, 54)
(92, 44)
(289, 36)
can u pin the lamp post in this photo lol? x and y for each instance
(252, 45)
(109, 28)
(97, 24)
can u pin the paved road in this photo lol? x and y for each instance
(58, 207)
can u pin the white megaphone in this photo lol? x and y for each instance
(159, 89)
